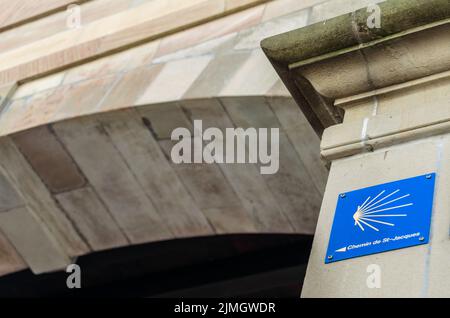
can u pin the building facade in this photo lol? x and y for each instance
(91, 92)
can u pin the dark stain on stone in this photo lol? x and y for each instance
(147, 123)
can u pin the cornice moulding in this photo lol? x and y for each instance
(342, 57)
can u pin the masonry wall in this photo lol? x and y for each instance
(69, 82)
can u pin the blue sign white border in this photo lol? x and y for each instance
(421, 239)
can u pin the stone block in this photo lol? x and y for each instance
(164, 118)
(93, 219)
(255, 77)
(129, 88)
(211, 30)
(216, 75)
(9, 198)
(33, 241)
(164, 88)
(49, 159)
(251, 38)
(11, 261)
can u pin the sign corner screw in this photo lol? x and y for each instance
(428, 176)
(421, 239)
(343, 195)
(330, 257)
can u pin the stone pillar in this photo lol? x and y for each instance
(405, 133)
(380, 99)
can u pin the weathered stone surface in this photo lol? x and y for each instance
(38, 200)
(319, 63)
(211, 30)
(129, 88)
(235, 4)
(438, 286)
(289, 184)
(209, 111)
(9, 198)
(331, 9)
(214, 195)
(371, 122)
(216, 75)
(87, 141)
(113, 64)
(254, 77)
(204, 181)
(251, 38)
(279, 89)
(303, 138)
(26, 113)
(39, 86)
(246, 180)
(163, 119)
(164, 88)
(6, 91)
(49, 159)
(22, 10)
(151, 20)
(155, 176)
(93, 219)
(56, 104)
(396, 125)
(39, 249)
(11, 260)
(284, 7)
(250, 112)
(337, 33)
(214, 47)
(83, 98)
(132, 193)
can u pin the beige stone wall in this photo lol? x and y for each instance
(396, 126)
(66, 94)
(19, 12)
(219, 58)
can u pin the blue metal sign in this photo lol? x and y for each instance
(382, 218)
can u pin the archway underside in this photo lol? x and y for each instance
(85, 152)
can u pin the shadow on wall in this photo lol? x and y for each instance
(215, 266)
